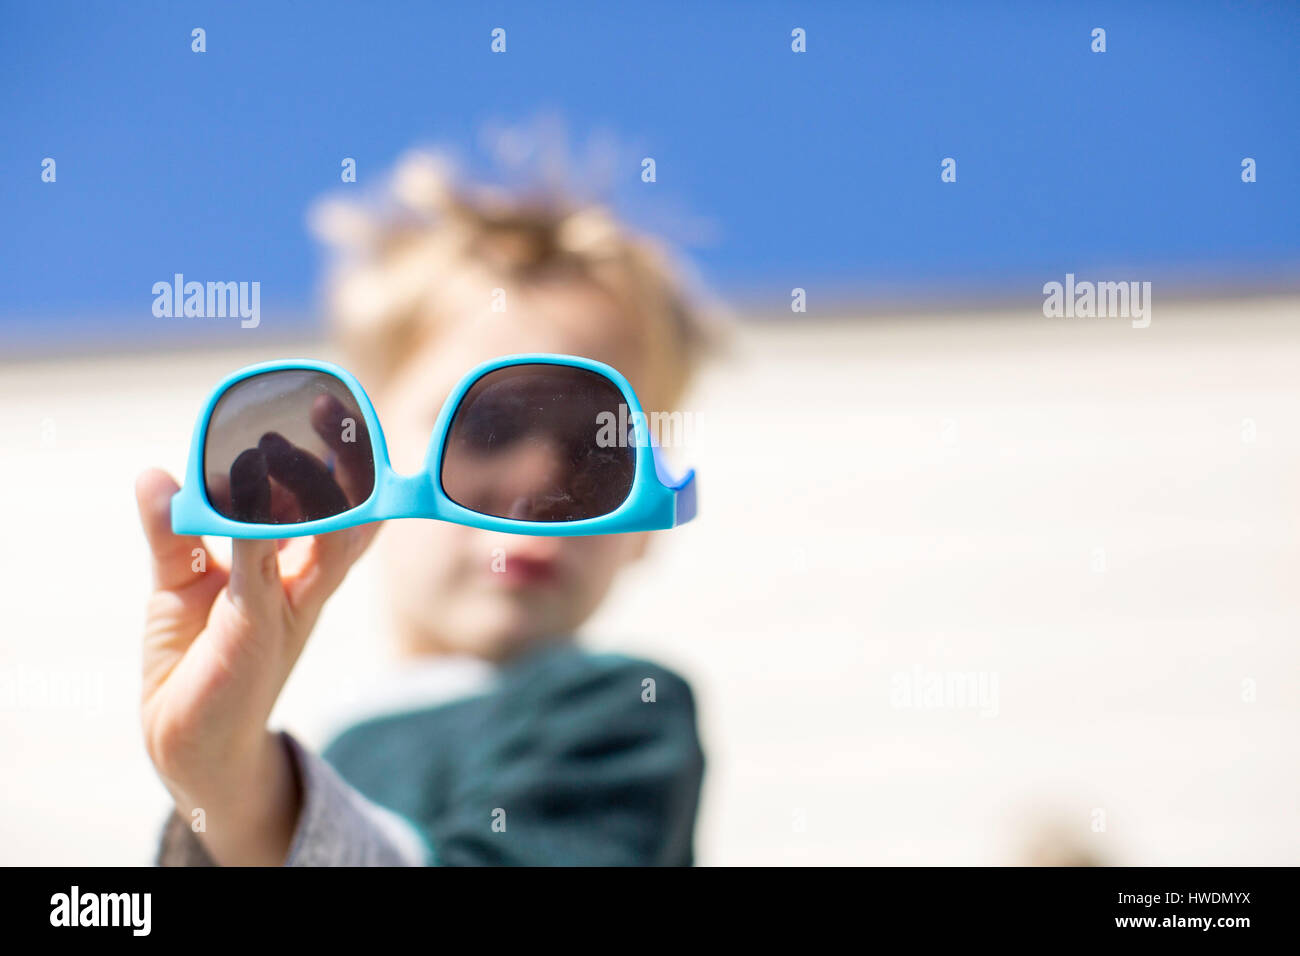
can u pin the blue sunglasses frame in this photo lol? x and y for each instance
(657, 501)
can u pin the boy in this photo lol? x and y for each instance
(536, 752)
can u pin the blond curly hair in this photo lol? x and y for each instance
(404, 259)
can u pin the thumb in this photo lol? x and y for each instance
(173, 555)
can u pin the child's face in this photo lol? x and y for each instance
(467, 590)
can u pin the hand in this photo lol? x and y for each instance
(219, 644)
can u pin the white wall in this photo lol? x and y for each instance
(878, 497)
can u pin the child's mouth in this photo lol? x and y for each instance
(527, 572)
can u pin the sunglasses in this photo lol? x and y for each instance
(527, 444)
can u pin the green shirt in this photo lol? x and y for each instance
(570, 758)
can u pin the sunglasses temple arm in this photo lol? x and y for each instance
(685, 498)
(683, 488)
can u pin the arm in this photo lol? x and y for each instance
(337, 826)
(219, 644)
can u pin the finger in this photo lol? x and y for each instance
(254, 585)
(178, 559)
(346, 434)
(330, 558)
(305, 475)
(285, 508)
(250, 487)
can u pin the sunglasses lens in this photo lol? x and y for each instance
(527, 443)
(287, 447)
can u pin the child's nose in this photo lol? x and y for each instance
(532, 548)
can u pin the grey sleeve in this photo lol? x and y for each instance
(336, 827)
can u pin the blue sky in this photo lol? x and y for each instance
(818, 170)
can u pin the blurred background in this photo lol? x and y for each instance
(972, 584)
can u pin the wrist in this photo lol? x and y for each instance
(246, 813)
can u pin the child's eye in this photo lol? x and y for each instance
(488, 428)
